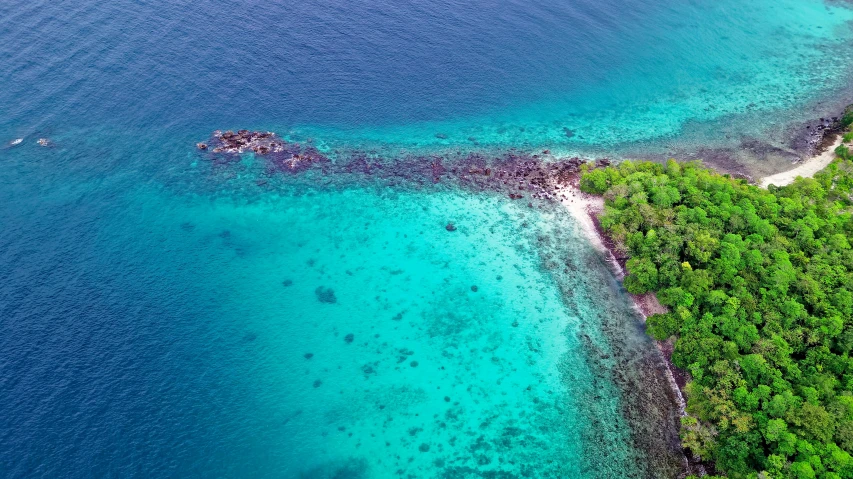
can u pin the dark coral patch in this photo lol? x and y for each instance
(325, 295)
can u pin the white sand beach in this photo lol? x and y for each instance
(806, 169)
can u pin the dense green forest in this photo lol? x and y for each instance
(759, 285)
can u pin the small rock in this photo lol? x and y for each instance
(474, 288)
(308, 355)
(450, 227)
(349, 338)
(413, 364)
(201, 146)
(318, 383)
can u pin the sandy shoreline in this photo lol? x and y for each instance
(806, 169)
(585, 209)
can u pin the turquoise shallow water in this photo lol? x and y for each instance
(434, 377)
(164, 315)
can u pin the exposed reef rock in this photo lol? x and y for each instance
(816, 135)
(284, 155)
(515, 174)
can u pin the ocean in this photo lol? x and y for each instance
(165, 313)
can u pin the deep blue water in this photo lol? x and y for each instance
(161, 318)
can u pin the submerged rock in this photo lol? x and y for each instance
(450, 227)
(325, 295)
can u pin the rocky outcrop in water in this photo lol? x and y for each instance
(518, 175)
(283, 155)
(817, 135)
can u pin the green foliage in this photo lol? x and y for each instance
(847, 119)
(758, 285)
(844, 153)
(594, 181)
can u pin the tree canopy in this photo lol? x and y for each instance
(759, 287)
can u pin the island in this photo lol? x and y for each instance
(755, 303)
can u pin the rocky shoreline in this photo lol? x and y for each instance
(586, 209)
